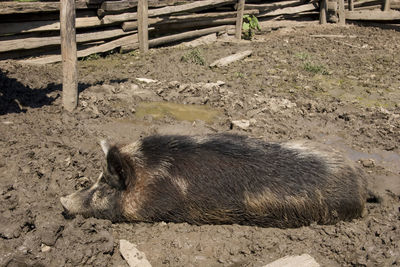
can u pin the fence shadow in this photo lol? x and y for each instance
(16, 97)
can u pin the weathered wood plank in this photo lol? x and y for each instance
(273, 5)
(196, 6)
(49, 25)
(143, 25)
(239, 19)
(386, 5)
(193, 18)
(289, 10)
(185, 35)
(192, 7)
(177, 37)
(341, 13)
(191, 25)
(18, 42)
(230, 59)
(11, 7)
(373, 15)
(128, 4)
(130, 39)
(377, 7)
(68, 52)
(40, 16)
(351, 5)
(203, 40)
(202, 16)
(322, 12)
(22, 27)
(118, 5)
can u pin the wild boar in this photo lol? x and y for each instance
(222, 179)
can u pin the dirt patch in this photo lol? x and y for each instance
(343, 92)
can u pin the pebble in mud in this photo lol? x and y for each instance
(367, 163)
(132, 255)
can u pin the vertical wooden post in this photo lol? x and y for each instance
(239, 19)
(69, 56)
(386, 5)
(351, 5)
(322, 12)
(341, 13)
(143, 25)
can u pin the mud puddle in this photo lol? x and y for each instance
(179, 112)
(387, 159)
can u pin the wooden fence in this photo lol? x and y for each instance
(97, 26)
(33, 28)
(362, 10)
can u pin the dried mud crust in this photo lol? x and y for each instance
(344, 92)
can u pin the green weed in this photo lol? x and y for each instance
(314, 68)
(303, 56)
(91, 57)
(194, 56)
(250, 26)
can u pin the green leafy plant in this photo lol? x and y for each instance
(250, 26)
(194, 56)
(303, 55)
(314, 68)
(91, 57)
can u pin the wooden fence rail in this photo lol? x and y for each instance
(32, 28)
(35, 26)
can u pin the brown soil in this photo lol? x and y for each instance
(344, 92)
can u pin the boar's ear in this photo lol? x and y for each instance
(117, 167)
(105, 146)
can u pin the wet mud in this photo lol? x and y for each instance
(343, 92)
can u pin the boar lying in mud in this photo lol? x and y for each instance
(222, 179)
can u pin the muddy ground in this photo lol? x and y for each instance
(344, 92)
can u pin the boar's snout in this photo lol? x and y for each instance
(67, 203)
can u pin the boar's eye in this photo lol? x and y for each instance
(110, 179)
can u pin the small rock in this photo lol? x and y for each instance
(134, 87)
(367, 163)
(173, 84)
(242, 124)
(132, 255)
(45, 248)
(276, 104)
(295, 261)
(145, 80)
(23, 249)
(211, 86)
